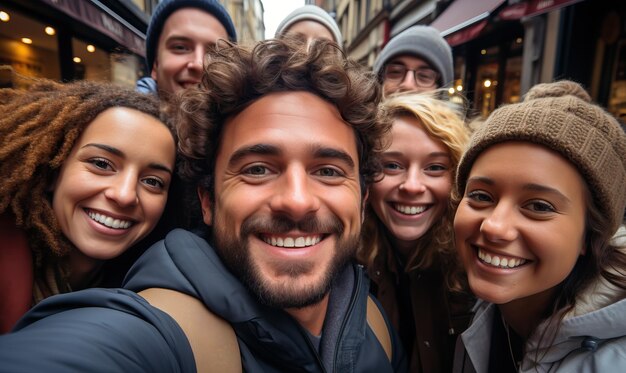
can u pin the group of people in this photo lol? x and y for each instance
(276, 207)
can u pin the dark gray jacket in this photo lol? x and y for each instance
(116, 330)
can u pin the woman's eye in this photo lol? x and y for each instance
(391, 166)
(540, 206)
(101, 164)
(437, 168)
(479, 196)
(154, 182)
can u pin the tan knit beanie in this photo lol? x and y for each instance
(561, 117)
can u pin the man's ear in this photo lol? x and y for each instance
(364, 204)
(153, 73)
(205, 202)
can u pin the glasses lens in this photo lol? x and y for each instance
(395, 71)
(426, 77)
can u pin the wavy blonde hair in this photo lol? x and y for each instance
(443, 121)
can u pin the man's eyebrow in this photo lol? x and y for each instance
(256, 149)
(320, 151)
(178, 38)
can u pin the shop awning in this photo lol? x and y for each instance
(464, 19)
(106, 22)
(532, 8)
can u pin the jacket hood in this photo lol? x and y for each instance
(599, 315)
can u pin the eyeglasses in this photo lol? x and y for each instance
(424, 77)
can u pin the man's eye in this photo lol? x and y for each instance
(328, 172)
(255, 170)
(179, 48)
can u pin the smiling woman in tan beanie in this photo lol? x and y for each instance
(543, 190)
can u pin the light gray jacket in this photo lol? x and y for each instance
(591, 338)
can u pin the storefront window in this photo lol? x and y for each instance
(90, 61)
(457, 90)
(617, 98)
(486, 81)
(512, 80)
(29, 47)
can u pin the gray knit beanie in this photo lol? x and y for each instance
(311, 13)
(424, 42)
(167, 7)
(561, 117)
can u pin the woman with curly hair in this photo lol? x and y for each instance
(408, 247)
(543, 187)
(86, 172)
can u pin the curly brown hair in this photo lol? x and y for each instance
(236, 75)
(38, 129)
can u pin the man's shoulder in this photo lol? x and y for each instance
(96, 330)
(170, 263)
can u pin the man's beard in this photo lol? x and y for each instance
(235, 253)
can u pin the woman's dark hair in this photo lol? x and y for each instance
(38, 129)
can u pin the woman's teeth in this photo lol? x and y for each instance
(499, 261)
(108, 221)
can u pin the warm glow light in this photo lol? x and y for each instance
(4, 16)
(76, 59)
(451, 91)
(27, 41)
(50, 31)
(519, 40)
(459, 88)
(483, 51)
(487, 83)
(91, 48)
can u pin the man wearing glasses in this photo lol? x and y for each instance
(416, 60)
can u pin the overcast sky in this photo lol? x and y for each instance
(275, 11)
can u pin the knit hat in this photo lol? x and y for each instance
(424, 42)
(167, 7)
(311, 13)
(561, 117)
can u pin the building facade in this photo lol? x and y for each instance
(503, 47)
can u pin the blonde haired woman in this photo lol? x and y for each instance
(408, 245)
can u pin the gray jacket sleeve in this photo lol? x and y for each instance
(96, 330)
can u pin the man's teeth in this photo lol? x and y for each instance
(501, 262)
(109, 221)
(292, 242)
(410, 210)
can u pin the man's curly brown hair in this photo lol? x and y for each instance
(38, 129)
(235, 76)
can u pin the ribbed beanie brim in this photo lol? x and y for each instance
(167, 7)
(561, 117)
(424, 42)
(313, 13)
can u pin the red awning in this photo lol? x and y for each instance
(463, 20)
(532, 8)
